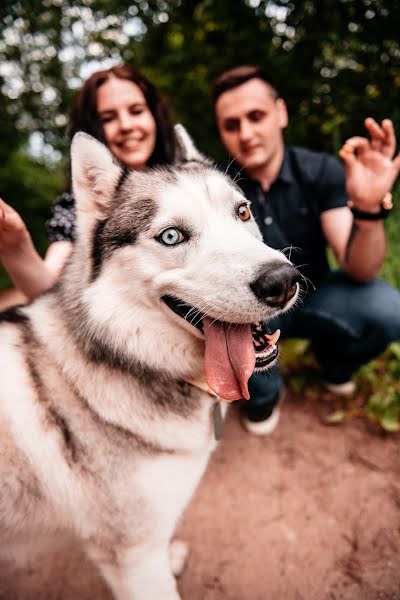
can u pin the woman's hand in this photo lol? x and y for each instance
(371, 169)
(13, 231)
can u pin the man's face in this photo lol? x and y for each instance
(250, 121)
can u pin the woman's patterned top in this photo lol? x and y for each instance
(61, 225)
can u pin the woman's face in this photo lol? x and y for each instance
(128, 125)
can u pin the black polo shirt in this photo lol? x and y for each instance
(288, 214)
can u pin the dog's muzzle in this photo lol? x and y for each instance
(232, 351)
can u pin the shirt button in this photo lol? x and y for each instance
(268, 220)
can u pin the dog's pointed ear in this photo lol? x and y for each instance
(95, 174)
(185, 150)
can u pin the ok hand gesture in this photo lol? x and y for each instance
(370, 167)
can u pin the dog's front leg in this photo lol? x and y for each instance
(139, 573)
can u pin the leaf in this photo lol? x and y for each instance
(395, 349)
(390, 422)
(335, 418)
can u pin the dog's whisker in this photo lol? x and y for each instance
(288, 251)
(306, 279)
(197, 315)
(229, 165)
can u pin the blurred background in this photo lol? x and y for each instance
(335, 62)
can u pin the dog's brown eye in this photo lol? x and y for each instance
(244, 212)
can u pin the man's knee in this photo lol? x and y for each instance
(347, 309)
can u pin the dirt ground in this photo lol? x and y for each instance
(311, 512)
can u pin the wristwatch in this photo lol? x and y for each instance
(363, 215)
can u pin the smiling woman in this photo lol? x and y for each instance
(120, 104)
(121, 108)
(129, 127)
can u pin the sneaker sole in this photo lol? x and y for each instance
(262, 427)
(346, 390)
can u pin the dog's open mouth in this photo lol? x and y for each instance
(232, 351)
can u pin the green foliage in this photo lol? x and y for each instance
(380, 383)
(391, 268)
(334, 62)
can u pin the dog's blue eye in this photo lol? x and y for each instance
(171, 236)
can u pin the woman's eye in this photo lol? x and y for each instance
(171, 236)
(244, 212)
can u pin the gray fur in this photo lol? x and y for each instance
(103, 438)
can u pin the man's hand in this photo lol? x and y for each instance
(13, 231)
(371, 169)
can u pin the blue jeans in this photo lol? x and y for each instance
(348, 323)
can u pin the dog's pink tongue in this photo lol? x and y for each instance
(229, 358)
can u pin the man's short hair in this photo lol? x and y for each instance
(239, 75)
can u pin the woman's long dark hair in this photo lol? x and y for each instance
(84, 116)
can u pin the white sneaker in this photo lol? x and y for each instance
(346, 389)
(262, 427)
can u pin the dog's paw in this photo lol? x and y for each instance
(178, 553)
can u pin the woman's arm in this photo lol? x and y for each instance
(30, 274)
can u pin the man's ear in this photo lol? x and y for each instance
(185, 150)
(95, 174)
(282, 112)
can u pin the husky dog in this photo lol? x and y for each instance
(104, 431)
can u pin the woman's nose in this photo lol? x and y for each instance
(124, 121)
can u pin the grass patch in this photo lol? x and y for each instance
(378, 384)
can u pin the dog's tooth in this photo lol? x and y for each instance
(274, 337)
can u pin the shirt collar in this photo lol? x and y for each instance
(285, 174)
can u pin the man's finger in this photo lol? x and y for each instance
(347, 155)
(374, 129)
(376, 145)
(389, 146)
(356, 144)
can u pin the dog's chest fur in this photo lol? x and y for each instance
(130, 464)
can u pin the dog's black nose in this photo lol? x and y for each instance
(276, 284)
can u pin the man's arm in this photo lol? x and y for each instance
(360, 245)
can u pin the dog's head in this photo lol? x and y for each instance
(173, 259)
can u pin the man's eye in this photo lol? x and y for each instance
(171, 236)
(231, 126)
(256, 115)
(244, 212)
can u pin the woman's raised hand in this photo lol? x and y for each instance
(13, 231)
